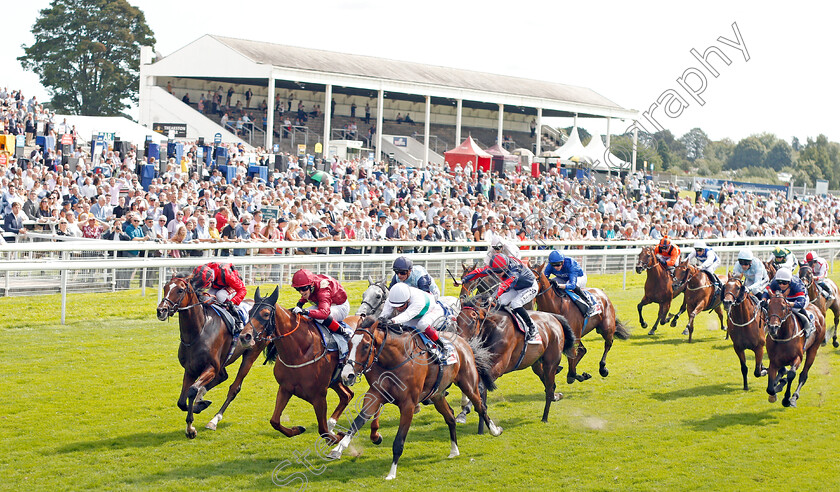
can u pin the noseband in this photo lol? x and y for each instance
(366, 366)
(173, 307)
(371, 306)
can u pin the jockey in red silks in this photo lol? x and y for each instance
(222, 281)
(329, 297)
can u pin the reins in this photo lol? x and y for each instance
(271, 326)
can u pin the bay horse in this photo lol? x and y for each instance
(606, 323)
(206, 348)
(744, 323)
(787, 346)
(400, 371)
(770, 266)
(509, 352)
(303, 366)
(658, 287)
(699, 295)
(806, 273)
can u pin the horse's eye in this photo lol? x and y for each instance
(180, 290)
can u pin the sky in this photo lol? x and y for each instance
(782, 76)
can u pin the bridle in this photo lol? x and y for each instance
(787, 312)
(173, 307)
(371, 361)
(651, 254)
(371, 306)
(268, 333)
(742, 296)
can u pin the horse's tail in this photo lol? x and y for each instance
(621, 331)
(569, 338)
(270, 353)
(483, 362)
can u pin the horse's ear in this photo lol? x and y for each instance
(272, 299)
(257, 297)
(370, 281)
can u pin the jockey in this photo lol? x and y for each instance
(222, 281)
(570, 277)
(412, 307)
(783, 258)
(329, 297)
(706, 259)
(820, 268)
(518, 287)
(498, 246)
(755, 275)
(667, 253)
(413, 276)
(794, 291)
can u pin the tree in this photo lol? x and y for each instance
(695, 142)
(825, 156)
(781, 155)
(795, 144)
(749, 152)
(86, 52)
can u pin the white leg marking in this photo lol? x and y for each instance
(393, 473)
(495, 430)
(331, 424)
(453, 451)
(342, 445)
(214, 422)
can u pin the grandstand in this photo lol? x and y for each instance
(318, 96)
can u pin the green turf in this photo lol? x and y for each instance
(92, 405)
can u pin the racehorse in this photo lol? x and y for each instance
(770, 266)
(658, 287)
(303, 368)
(746, 327)
(606, 323)
(787, 346)
(509, 352)
(806, 273)
(399, 370)
(699, 295)
(374, 297)
(206, 348)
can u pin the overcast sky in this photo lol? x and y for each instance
(630, 52)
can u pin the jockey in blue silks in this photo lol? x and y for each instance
(414, 275)
(569, 276)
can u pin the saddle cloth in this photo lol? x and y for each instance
(590, 299)
(228, 318)
(521, 326)
(333, 341)
(453, 355)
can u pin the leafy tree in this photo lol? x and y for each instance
(86, 52)
(825, 156)
(795, 144)
(719, 150)
(757, 174)
(584, 135)
(781, 155)
(621, 146)
(806, 172)
(749, 152)
(695, 142)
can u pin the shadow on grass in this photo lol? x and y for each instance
(656, 340)
(706, 390)
(137, 440)
(717, 422)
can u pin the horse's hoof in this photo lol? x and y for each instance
(835, 343)
(644, 325)
(685, 332)
(300, 429)
(604, 372)
(570, 379)
(376, 440)
(334, 455)
(461, 418)
(674, 323)
(651, 332)
(199, 406)
(785, 402)
(558, 396)
(584, 376)
(191, 433)
(210, 425)
(824, 343)
(771, 398)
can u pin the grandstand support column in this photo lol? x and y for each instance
(608, 133)
(501, 124)
(575, 123)
(426, 129)
(327, 121)
(269, 116)
(380, 110)
(459, 109)
(635, 144)
(538, 147)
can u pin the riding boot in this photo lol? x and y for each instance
(584, 305)
(826, 292)
(438, 349)
(806, 322)
(235, 313)
(531, 336)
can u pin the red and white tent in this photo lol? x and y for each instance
(468, 154)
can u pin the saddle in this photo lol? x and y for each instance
(334, 341)
(453, 355)
(590, 299)
(717, 297)
(228, 318)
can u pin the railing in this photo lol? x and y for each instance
(95, 265)
(435, 142)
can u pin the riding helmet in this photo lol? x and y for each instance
(700, 245)
(810, 256)
(499, 263)
(783, 274)
(665, 242)
(745, 255)
(203, 277)
(403, 264)
(302, 278)
(779, 252)
(556, 257)
(399, 295)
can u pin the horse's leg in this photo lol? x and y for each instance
(194, 390)
(185, 386)
(772, 373)
(539, 370)
(689, 328)
(248, 360)
(375, 436)
(608, 342)
(803, 376)
(482, 393)
(406, 415)
(572, 375)
(679, 313)
(790, 375)
(719, 312)
(550, 371)
(475, 392)
(760, 370)
(319, 404)
(200, 404)
(742, 356)
(372, 403)
(444, 409)
(345, 394)
(466, 408)
(644, 302)
(283, 396)
(835, 308)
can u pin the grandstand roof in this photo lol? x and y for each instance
(371, 73)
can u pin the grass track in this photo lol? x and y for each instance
(92, 405)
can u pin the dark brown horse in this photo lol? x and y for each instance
(806, 273)
(746, 326)
(699, 295)
(606, 323)
(787, 346)
(205, 349)
(400, 371)
(770, 266)
(508, 350)
(303, 367)
(658, 287)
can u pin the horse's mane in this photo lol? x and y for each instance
(367, 322)
(182, 275)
